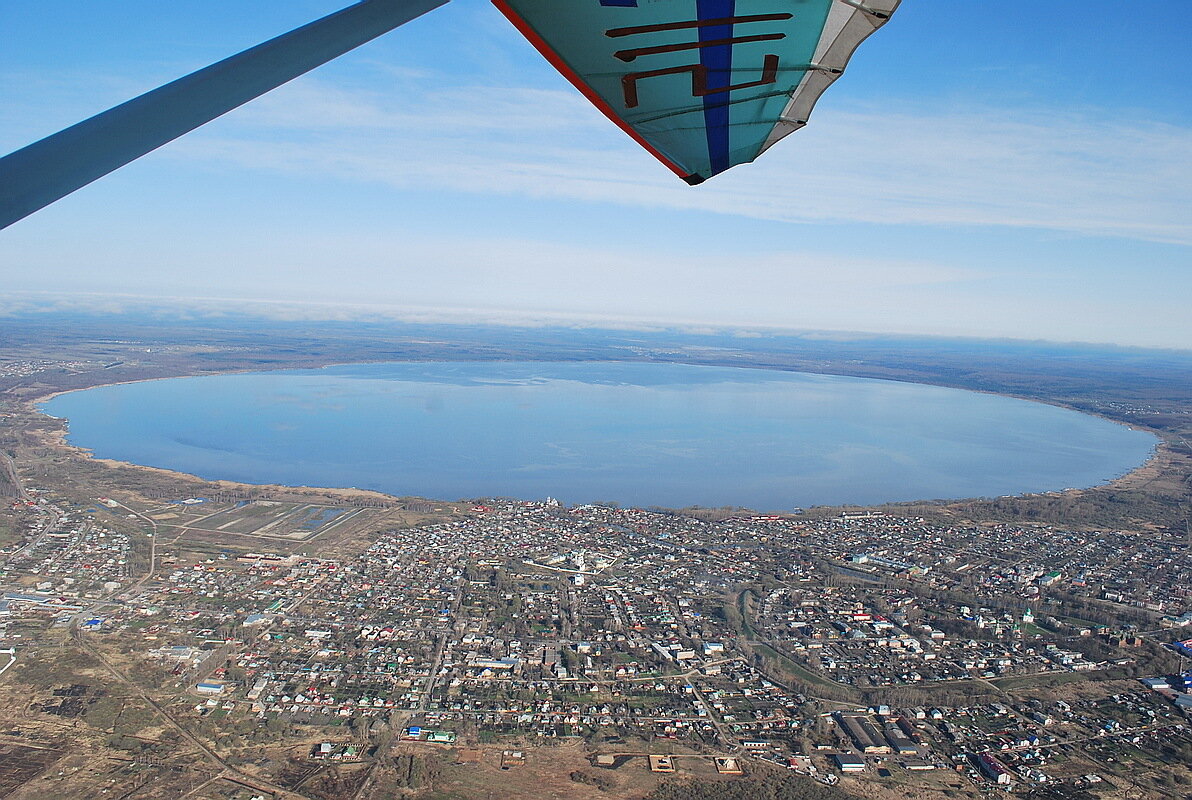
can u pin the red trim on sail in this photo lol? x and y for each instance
(587, 91)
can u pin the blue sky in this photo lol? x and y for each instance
(1013, 169)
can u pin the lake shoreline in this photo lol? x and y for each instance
(1153, 464)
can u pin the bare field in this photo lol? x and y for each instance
(20, 764)
(266, 519)
(939, 784)
(552, 772)
(277, 527)
(90, 776)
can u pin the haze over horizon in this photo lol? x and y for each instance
(232, 313)
(973, 174)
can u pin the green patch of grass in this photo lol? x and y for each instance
(1041, 681)
(55, 667)
(102, 713)
(793, 668)
(1077, 621)
(743, 600)
(8, 530)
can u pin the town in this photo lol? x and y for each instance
(846, 647)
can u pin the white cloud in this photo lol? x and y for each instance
(1055, 170)
(1069, 172)
(526, 280)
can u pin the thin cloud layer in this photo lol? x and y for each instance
(1055, 170)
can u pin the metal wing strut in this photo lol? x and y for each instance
(48, 170)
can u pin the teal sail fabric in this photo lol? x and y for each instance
(703, 85)
(48, 170)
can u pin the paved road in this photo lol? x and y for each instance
(52, 515)
(11, 470)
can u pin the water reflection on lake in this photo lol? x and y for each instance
(638, 434)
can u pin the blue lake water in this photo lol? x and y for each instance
(637, 434)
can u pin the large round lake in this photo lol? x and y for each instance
(637, 434)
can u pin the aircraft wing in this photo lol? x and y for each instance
(703, 85)
(37, 175)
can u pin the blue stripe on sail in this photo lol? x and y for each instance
(718, 61)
